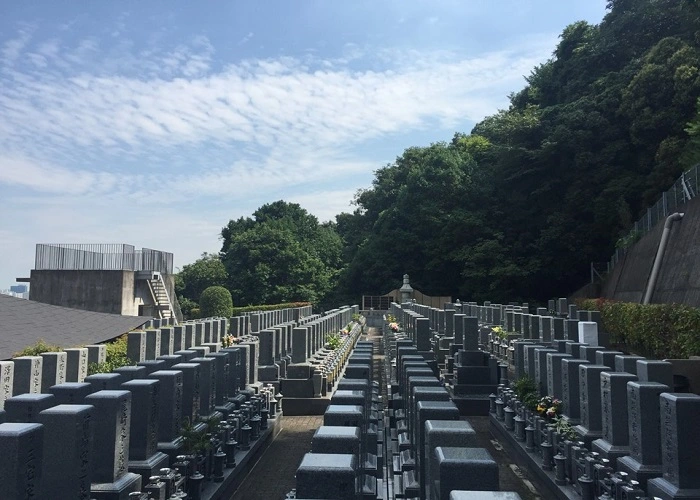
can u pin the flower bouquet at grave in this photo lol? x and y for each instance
(228, 340)
(500, 332)
(390, 318)
(394, 326)
(549, 407)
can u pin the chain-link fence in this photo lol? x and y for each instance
(682, 191)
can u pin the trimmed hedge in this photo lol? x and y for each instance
(215, 301)
(237, 311)
(661, 331)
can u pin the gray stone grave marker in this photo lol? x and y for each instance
(590, 402)
(443, 433)
(680, 438)
(67, 453)
(144, 457)
(644, 460)
(27, 377)
(207, 385)
(53, 369)
(651, 370)
(464, 469)
(613, 400)
(554, 373)
(152, 344)
(325, 475)
(570, 387)
(169, 422)
(110, 450)
(167, 341)
(26, 407)
(190, 390)
(96, 353)
(71, 393)
(20, 467)
(136, 346)
(76, 364)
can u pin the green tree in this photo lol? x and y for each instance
(282, 254)
(216, 301)
(194, 278)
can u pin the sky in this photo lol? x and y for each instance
(154, 123)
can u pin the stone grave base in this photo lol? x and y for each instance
(118, 490)
(150, 467)
(531, 462)
(305, 406)
(224, 489)
(470, 404)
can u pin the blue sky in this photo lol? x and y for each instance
(154, 123)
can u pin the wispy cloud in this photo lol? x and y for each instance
(117, 128)
(245, 39)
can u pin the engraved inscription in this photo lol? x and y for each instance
(122, 439)
(583, 388)
(634, 411)
(31, 465)
(84, 457)
(669, 441)
(36, 376)
(606, 406)
(152, 432)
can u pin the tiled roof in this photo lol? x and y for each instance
(23, 322)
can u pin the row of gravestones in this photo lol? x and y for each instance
(515, 319)
(346, 459)
(37, 374)
(641, 435)
(80, 439)
(291, 350)
(621, 406)
(434, 453)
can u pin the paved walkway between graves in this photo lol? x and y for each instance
(510, 476)
(271, 477)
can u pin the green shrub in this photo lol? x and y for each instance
(526, 390)
(237, 311)
(36, 349)
(187, 306)
(333, 340)
(115, 358)
(655, 330)
(216, 301)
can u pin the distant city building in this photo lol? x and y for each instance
(19, 288)
(23, 295)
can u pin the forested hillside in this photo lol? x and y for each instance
(518, 207)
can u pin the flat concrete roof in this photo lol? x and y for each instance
(23, 322)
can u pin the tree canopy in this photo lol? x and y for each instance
(518, 207)
(281, 254)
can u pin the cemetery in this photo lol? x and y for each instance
(204, 396)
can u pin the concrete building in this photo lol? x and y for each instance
(109, 278)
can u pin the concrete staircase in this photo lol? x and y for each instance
(161, 298)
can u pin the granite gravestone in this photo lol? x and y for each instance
(680, 442)
(110, 450)
(67, 454)
(22, 446)
(644, 460)
(53, 369)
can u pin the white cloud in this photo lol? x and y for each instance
(12, 49)
(246, 39)
(157, 148)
